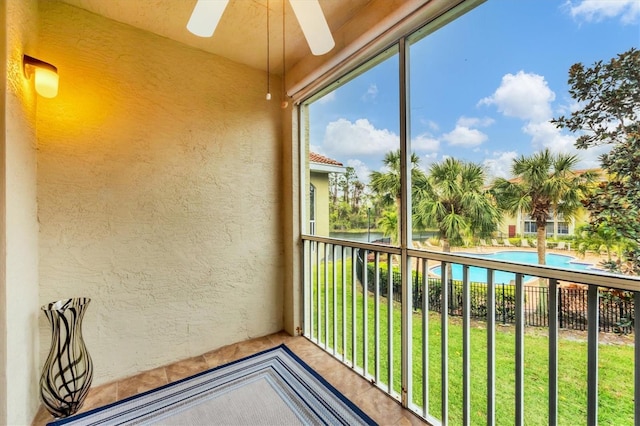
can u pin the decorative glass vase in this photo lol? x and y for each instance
(68, 370)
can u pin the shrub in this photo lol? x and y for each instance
(504, 300)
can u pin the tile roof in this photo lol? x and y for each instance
(317, 158)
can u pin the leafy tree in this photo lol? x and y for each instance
(345, 181)
(453, 200)
(345, 201)
(340, 215)
(544, 183)
(334, 181)
(609, 99)
(357, 191)
(386, 184)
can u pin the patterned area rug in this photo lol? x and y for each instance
(273, 387)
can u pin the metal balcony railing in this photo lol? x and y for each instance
(380, 310)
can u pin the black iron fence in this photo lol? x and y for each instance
(616, 307)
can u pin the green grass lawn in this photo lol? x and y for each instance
(615, 361)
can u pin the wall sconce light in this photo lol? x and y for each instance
(46, 79)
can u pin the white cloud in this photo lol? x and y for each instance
(425, 142)
(499, 165)
(546, 135)
(464, 136)
(590, 158)
(599, 10)
(524, 95)
(430, 124)
(361, 169)
(344, 138)
(569, 107)
(329, 97)
(317, 149)
(528, 97)
(428, 159)
(371, 93)
(475, 122)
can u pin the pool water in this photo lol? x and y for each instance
(477, 274)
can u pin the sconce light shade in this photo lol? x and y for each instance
(46, 76)
(46, 82)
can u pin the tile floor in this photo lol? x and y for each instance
(381, 408)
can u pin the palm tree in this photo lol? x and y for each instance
(389, 224)
(543, 184)
(387, 183)
(603, 237)
(454, 201)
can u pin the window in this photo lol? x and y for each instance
(530, 227)
(563, 228)
(352, 132)
(482, 94)
(480, 89)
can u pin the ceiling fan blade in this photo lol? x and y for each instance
(314, 25)
(205, 17)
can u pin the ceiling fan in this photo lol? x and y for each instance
(207, 13)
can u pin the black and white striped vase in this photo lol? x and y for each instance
(68, 370)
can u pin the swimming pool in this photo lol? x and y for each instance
(477, 274)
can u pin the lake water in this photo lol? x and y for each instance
(364, 237)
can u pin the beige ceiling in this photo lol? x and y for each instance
(241, 33)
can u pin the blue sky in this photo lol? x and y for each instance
(483, 88)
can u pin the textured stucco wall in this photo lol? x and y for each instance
(3, 222)
(19, 300)
(159, 191)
